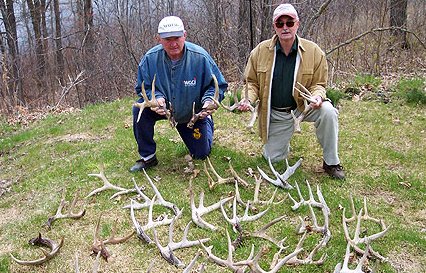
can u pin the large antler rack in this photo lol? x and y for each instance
(60, 215)
(197, 213)
(261, 233)
(99, 244)
(147, 203)
(307, 97)
(229, 262)
(140, 230)
(281, 179)
(213, 106)
(107, 185)
(167, 251)
(236, 220)
(152, 103)
(367, 239)
(40, 241)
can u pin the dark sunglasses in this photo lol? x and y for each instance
(280, 24)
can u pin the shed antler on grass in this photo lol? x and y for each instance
(281, 179)
(99, 244)
(60, 215)
(167, 251)
(229, 262)
(107, 185)
(367, 239)
(213, 106)
(197, 213)
(44, 242)
(345, 269)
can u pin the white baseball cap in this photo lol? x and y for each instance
(171, 26)
(285, 9)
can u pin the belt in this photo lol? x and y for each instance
(282, 109)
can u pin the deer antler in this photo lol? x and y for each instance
(281, 179)
(99, 244)
(167, 251)
(60, 215)
(213, 106)
(311, 201)
(197, 213)
(236, 220)
(367, 239)
(345, 268)
(307, 96)
(188, 269)
(46, 242)
(256, 194)
(137, 205)
(220, 180)
(309, 259)
(261, 233)
(253, 263)
(107, 185)
(140, 230)
(161, 200)
(228, 263)
(146, 102)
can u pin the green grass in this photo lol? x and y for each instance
(382, 147)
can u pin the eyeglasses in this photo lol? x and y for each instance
(280, 24)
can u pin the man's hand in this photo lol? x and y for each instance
(318, 103)
(161, 108)
(244, 105)
(209, 107)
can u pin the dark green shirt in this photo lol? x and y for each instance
(282, 81)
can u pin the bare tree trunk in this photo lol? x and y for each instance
(58, 42)
(14, 81)
(35, 11)
(398, 18)
(245, 38)
(265, 18)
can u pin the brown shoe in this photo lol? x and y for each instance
(335, 171)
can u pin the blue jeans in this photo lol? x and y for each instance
(198, 140)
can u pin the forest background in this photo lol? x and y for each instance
(77, 52)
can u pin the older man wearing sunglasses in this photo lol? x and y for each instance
(274, 68)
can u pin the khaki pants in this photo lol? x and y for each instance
(281, 128)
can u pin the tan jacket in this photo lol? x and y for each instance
(312, 72)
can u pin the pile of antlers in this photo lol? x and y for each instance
(149, 235)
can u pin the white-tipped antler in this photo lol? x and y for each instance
(261, 233)
(219, 180)
(345, 268)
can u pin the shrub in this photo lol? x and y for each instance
(335, 95)
(412, 90)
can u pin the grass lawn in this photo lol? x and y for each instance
(382, 148)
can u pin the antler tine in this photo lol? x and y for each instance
(216, 91)
(107, 185)
(139, 230)
(261, 233)
(39, 241)
(220, 180)
(197, 213)
(345, 268)
(60, 215)
(167, 253)
(280, 180)
(237, 177)
(113, 240)
(188, 269)
(147, 102)
(245, 218)
(305, 93)
(160, 197)
(151, 223)
(137, 205)
(309, 258)
(311, 200)
(367, 239)
(233, 106)
(257, 190)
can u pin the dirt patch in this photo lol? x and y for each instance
(74, 138)
(405, 262)
(4, 186)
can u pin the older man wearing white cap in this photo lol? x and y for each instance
(273, 69)
(184, 78)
